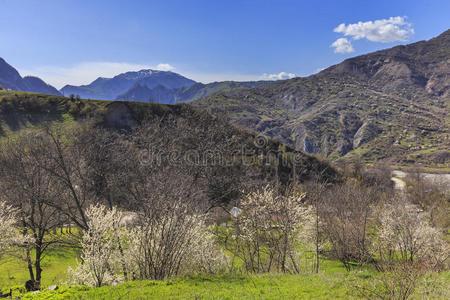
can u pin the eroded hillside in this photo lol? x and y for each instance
(391, 104)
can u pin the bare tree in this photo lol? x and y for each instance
(65, 162)
(25, 185)
(316, 191)
(168, 226)
(346, 217)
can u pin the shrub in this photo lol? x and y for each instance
(172, 243)
(267, 232)
(100, 257)
(407, 235)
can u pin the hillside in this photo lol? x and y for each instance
(19, 110)
(161, 94)
(11, 79)
(391, 104)
(111, 88)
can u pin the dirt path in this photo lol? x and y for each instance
(399, 183)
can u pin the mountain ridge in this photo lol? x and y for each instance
(390, 104)
(11, 79)
(109, 88)
(161, 94)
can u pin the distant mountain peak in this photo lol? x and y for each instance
(111, 88)
(11, 79)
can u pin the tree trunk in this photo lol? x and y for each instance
(37, 264)
(122, 259)
(30, 264)
(317, 239)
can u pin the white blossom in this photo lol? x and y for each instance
(410, 233)
(10, 235)
(99, 255)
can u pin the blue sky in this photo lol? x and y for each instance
(74, 42)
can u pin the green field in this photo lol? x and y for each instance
(332, 282)
(14, 272)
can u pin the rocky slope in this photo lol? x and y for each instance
(391, 104)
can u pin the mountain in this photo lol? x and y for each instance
(161, 94)
(37, 85)
(111, 88)
(422, 67)
(391, 104)
(11, 79)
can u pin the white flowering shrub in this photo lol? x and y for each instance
(205, 256)
(159, 246)
(408, 235)
(9, 234)
(172, 243)
(267, 232)
(100, 257)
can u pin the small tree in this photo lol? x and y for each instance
(315, 196)
(408, 234)
(265, 235)
(25, 185)
(346, 215)
(99, 247)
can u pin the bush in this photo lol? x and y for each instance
(266, 234)
(407, 235)
(100, 257)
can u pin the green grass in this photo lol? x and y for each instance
(14, 272)
(335, 284)
(332, 282)
(268, 286)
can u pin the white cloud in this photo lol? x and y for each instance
(85, 73)
(342, 45)
(165, 67)
(394, 29)
(279, 76)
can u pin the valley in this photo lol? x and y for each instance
(177, 152)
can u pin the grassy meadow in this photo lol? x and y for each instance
(332, 282)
